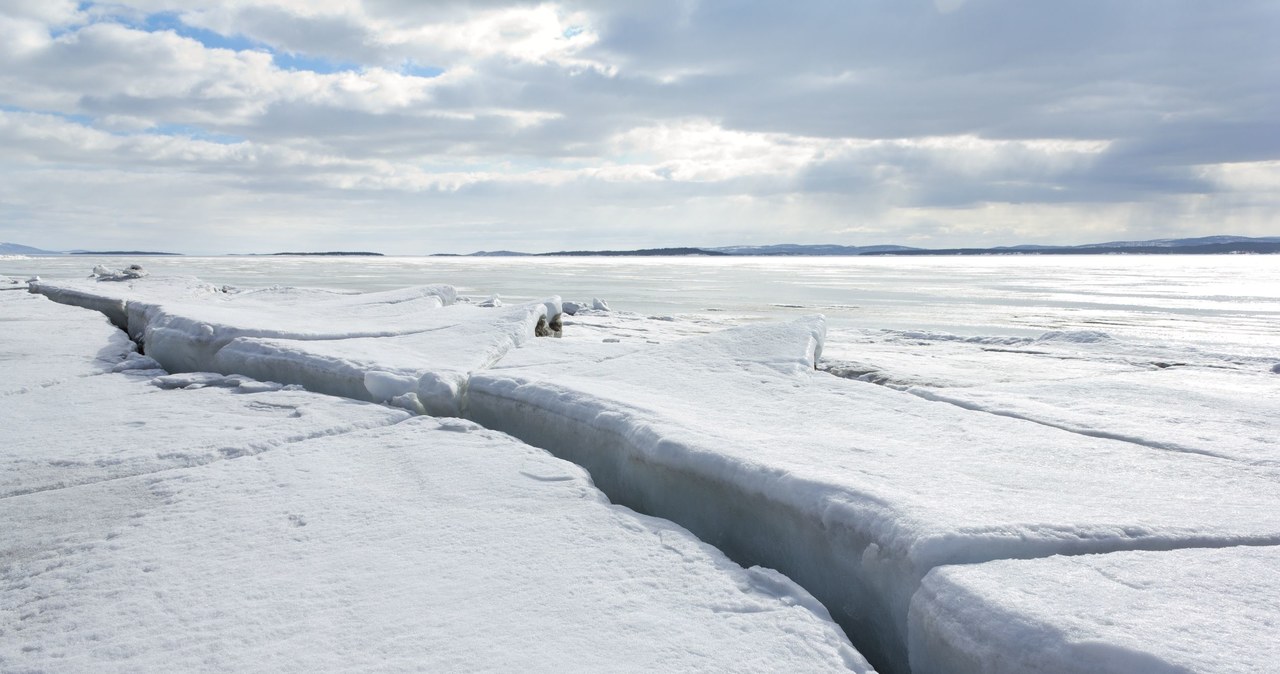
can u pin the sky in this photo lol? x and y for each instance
(410, 127)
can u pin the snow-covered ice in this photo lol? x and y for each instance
(1065, 414)
(198, 521)
(430, 366)
(1153, 612)
(430, 545)
(86, 343)
(857, 490)
(111, 425)
(413, 346)
(1166, 396)
(1229, 414)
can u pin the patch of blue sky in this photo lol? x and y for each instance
(315, 64)
(574, 31)
(418, 70)
(195, 133)
(82, 120)
(172, 21)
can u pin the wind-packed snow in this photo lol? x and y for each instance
(197, 521)
(1152, 612)
(857, 490)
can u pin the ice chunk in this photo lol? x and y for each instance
(429, 545)
(856, 490)
(133, 271)
(1176, 611)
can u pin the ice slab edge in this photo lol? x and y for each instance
(1193, 610)
(860, 544)
(184, 332)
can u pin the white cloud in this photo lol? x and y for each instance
(954, 123)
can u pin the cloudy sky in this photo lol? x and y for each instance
(407, 126)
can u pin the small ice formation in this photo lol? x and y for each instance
(133, 271)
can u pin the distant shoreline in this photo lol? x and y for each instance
(1205, 245)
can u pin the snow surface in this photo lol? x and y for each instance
(1233, 415)
(430, 545)
(112, 425)
(972, 448)
(1156, 612)
(857, 490)
(198, 521)
(404, 345)
(87, 344)
(1164, 396)
(430, 366)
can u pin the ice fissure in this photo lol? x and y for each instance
(351, 536)
(856, 491)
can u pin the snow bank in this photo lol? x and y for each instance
(1176, 612)
(855, 490)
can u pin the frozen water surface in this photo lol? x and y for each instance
(1177, 611)
(969, 416)
(197, 521)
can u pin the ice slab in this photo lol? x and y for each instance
(114, 425)
(403, 346)
(183, 322)
(905, 358)
(42, 344)
(431, 545)
(1178, 611)
(857, 490)
(430, 366)
(1233, 414)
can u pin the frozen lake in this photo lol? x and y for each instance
(993, 423)
(1231, 302)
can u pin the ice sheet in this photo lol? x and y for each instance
(183, 322)
(42, 344)
(1229, 414)
(1178, 611)
(409, 545)
(431, 366)
(857, 490)
(403, 346)
(1166, 396)
(429, 545)
(113, 425)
